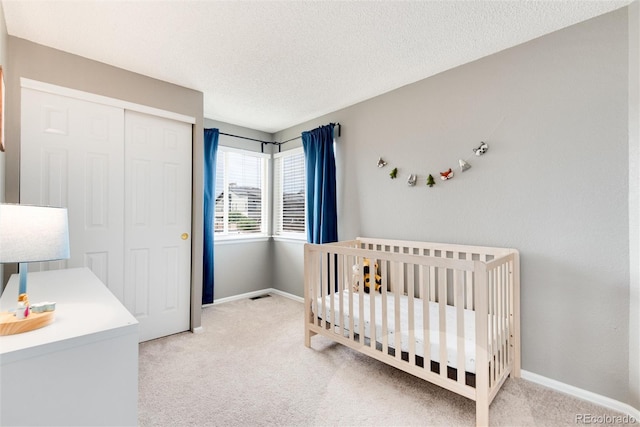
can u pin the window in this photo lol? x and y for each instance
(241, 196)
(289, 194)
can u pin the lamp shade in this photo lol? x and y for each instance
(33, 233)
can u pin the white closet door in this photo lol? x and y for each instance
(157, 223)
(126, 179)
(72, 155)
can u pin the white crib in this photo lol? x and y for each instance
(437, 302)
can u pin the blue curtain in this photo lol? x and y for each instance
(320, 164)
(210, 152)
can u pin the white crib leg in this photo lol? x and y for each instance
(307, 337)
(482, 412)
(308, 333)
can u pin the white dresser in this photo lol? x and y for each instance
(80, 370)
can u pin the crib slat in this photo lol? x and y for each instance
(361, 301)
(459, 305)
(350, 303)
(503, 338)
(469, 289)
(432, 279)
(372, 303)
(331, 260)
(411, 320)
(385, 316)
(323, 288)
(507, 339)
(503, 318)
(509, 313)
(442, 323)
(342, 280)
(396, 307)
(492, 327)
(499, 335)
(425, 285)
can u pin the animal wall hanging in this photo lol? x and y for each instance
(448, 174)
(464, 166)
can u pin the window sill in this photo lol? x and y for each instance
(290, 239)
(232, 240)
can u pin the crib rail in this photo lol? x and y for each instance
(470, 293)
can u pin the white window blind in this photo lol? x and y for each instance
(240, 192)
(289, 193)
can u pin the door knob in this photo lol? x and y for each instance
(184, 236)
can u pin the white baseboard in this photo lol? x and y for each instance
(287, 295)
(255, 294)
(589, 396)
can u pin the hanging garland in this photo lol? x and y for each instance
(446, 175)
(463, 164)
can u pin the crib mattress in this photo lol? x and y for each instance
(418, 327)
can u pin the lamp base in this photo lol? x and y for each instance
(10, 325)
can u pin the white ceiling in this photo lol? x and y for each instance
(269, 65)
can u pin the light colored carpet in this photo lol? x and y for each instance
(250, 368)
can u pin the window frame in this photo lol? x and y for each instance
(265, 217)
(278, 194)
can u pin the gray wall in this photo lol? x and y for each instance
(48, 65)
(554, 184)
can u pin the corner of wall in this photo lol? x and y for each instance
(634, 203)
(3, 62)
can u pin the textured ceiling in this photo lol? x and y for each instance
(269, 65)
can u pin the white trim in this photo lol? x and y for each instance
(288, 295)
(255, 294)
(104, 100)
(230, 239)
(589, 396)
(291, 238)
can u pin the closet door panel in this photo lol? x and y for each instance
(158, 223)
(72, 155)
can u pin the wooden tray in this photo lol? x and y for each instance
(10, 325)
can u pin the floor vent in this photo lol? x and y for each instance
(259, 297)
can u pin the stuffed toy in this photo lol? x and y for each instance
(367, 276)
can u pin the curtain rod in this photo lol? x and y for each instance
(263, 143)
